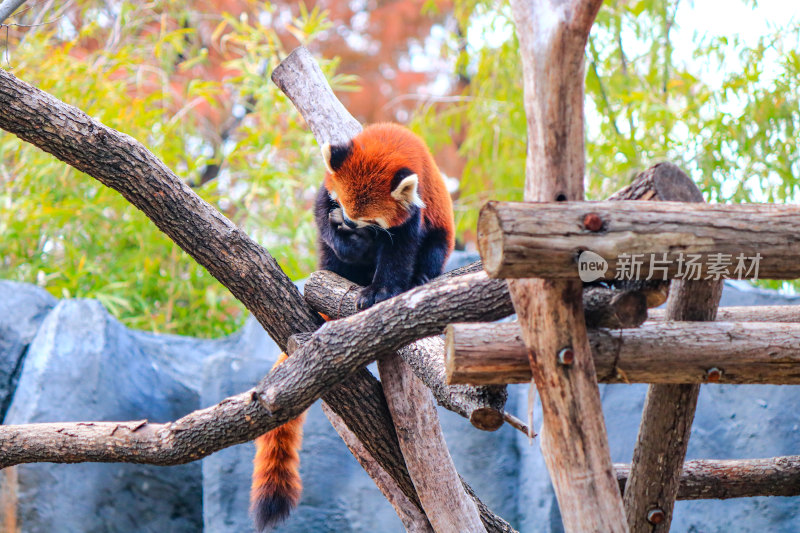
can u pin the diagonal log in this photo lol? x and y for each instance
(667, 418)
(552, 35)
(428, 460)
(448, 507)
(333, 352)
(413, 519)
(244, 267)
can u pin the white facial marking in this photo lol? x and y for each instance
(333, 195)
(326, 156)
(406, 192)
(382, 222)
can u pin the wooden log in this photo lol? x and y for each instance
(666, 352)
(414, 520)
(482, 406)
(552, 36)
(668, 412)
(667, 423)
(661, 182)
(710, 479)
(300, 78)
(386, 456)
(447, 505)
(335, 296)
(755, 313)
(546, 239)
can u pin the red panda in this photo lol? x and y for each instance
(384, 214)
(385, 221)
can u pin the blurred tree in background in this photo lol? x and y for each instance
(726, 111)
(192, 83)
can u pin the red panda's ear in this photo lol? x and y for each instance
(406, 191)
(334, 155)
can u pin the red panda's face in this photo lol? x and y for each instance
(373, 181)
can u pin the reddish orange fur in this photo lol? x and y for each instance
(276, 464)
(363, 183)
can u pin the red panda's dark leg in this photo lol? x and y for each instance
(396, 259)
(432, 255)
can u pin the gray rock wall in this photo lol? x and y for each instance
(70, 360)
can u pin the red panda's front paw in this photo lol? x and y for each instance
(372, 295)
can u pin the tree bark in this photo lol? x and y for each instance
(7, 8)
(739, 478)
(666, 352)
(482, 406)
(410, 515)
(545, 239)
(667, 422)
(300, 79)
(552, 36)
(335, 296)
(335, 351)
(669, 409)
(448, 507)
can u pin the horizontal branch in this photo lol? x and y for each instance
(708, 479)
(754, 313)
(665, 352)
(334, 296)
(335, 351)
(518, 240)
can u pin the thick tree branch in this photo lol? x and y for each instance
(448, 507)
(734, 478)
(335, 351)
(7, 8)
(123, 164)
(482, 406)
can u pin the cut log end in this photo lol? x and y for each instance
(486, 419)
(490, 240)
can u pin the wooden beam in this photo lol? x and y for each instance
(552, 36)
(447, 506)
(669, 408)
(665, 352)
(545, 239)
(413, 519)
(667, 423)
(708, 479)
(754, 313)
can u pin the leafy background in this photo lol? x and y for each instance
(192, 84)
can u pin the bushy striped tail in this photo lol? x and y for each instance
(276, 478)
